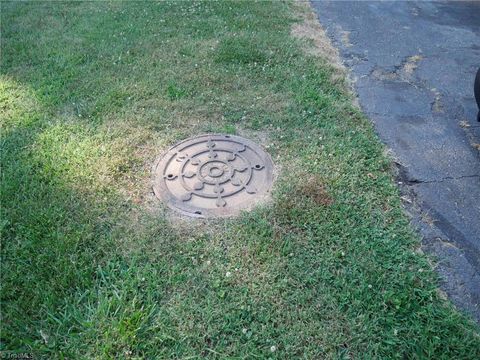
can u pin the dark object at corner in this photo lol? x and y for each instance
(476, 90)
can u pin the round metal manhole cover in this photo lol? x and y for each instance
(213, 175)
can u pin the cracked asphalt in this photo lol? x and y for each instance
(413, 65)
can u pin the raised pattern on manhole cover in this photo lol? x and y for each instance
(213, 175)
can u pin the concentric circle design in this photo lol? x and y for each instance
(213, 175)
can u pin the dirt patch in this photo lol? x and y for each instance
(314, 189)
(403, 72)
(318, 43)
(411, 64)
(382, 74)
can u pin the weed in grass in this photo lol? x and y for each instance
(174, 92)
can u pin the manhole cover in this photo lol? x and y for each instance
(213, 175)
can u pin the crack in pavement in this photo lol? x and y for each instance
(418, 181)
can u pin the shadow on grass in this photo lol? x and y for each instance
(64, 272)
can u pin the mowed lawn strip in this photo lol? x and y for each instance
(93, 266)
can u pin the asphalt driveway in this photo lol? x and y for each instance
(413, 66)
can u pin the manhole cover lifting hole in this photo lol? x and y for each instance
(213, 175)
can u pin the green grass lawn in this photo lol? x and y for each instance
(93, 266)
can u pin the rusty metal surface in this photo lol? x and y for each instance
(213, 175)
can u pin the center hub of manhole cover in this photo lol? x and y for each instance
(213, 175)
